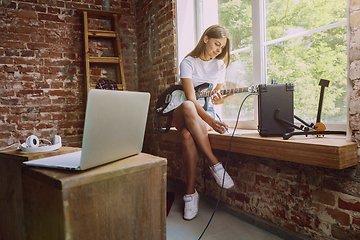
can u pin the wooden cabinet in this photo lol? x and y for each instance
(125, 199)
(11, 200)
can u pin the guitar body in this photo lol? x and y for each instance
(174, 96)
(320, 127)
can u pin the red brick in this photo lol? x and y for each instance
(12, 45)
(34, 117)
(60, 93)
(55, 70)
(72, 125)
(52, 40)
(341, 233)
(239, 197)
(38, 46)
(53, 10)
(356, 221)
(29, 93)
(26, 69)
(56, 85)
(50, 109)
(354, 206)
(44, 126)
(73, 100)
(300, 191)
(7, 128)
(342, 217)
(54, 62)
(44, 116)
(25, 6)
(7, 93)
(11, 52)
(321, 196)
(263, 180)
(43, 70)
(26, 30)
(59, 116)
(22, 14)
(49, 17)
(37, 101)
(37, 39)
(53, 25)
(25, 77)
(9, 4)
(40, 8)
(4, 110)
(25, 61)
(27, 53)
(25, 126)
(6, 60)
(300, 219)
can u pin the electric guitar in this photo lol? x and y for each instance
(174, 96)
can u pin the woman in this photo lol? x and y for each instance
(203, 65)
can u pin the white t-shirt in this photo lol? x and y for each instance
(212, 71)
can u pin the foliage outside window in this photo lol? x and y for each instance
(303, 41)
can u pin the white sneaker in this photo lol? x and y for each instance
(191, 206)
(218, 173)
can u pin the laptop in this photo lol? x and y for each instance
(114, 129)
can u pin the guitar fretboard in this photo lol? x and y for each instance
(223, 92)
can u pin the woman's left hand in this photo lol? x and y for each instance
(217, 98)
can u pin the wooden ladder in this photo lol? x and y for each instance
(114, 34)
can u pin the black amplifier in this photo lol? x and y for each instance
(275, 101)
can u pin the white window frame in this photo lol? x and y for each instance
(200, 22)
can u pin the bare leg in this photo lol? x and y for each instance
(189, 155)
(193, 130)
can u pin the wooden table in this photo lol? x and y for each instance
(11, 200)
(125, 199)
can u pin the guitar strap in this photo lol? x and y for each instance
(168, 123)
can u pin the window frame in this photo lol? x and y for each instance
(259, 52)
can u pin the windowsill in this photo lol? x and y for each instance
(330, 151)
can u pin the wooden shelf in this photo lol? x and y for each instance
(93, 86)
(93, 13)
(104, 59)
(102, 33)
(114, 34)
(330, 151)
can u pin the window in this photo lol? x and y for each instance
(298, 41)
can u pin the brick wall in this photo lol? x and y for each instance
(157, 69)
(41, 65)
(41, 69)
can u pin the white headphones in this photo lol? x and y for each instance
(32, 144)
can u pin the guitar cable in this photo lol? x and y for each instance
(227, 159)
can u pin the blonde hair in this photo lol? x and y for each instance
(214, 31)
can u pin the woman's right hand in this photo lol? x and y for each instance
(219, 127)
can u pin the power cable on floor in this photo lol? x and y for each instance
(227, 159)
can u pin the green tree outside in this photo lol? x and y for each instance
(302, 61)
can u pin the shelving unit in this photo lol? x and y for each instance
(116, 60)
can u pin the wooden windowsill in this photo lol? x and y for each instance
(330, 151)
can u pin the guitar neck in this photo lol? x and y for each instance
(223, 92)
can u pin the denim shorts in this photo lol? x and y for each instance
(211, 111)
